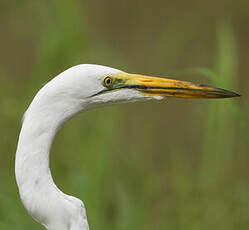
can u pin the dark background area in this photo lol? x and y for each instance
(177, 164)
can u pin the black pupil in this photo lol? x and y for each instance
(108, 81)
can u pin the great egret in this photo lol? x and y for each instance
(77, 89)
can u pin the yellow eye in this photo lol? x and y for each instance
(108, 81)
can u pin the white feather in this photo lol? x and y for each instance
(60, 99)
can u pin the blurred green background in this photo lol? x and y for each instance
(178, 164)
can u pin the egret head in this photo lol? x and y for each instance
(100, 85)
(88, 86)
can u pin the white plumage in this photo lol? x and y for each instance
(77, 89)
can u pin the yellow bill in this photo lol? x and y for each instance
(155, 86)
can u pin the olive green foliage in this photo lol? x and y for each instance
(179, 164)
